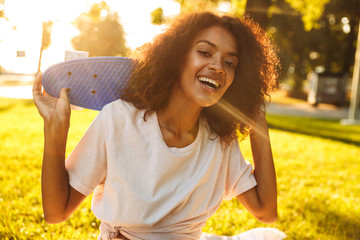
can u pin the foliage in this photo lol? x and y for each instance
(317, 195)
(258, 10)
(2, 12)
(311, 11)
(339, 26)
(237, 7)
(2, 15)
(157, 16)
(326, 47)
(312, 35)
(46, 34)
(197, 5)
(101, 34)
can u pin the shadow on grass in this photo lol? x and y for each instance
(334, 224)
(324, 128)
(6, 108)
(7, 104)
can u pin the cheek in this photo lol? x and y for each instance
(194, 62)
(230, 81)
(188, 68)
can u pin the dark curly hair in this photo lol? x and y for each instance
(160, 62)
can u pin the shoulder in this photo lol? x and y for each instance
(214, 139)
(119, 107)
(118, 104)
(118, 113)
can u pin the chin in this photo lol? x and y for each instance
(208, 103)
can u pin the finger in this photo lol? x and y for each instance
(64, 96)
(45, 93)
(37, 85)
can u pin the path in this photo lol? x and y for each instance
(306, 110)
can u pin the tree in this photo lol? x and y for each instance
(101, 34)
(311, 34)
(325, 39)
(310, 10)
(197, 5)
(2, 12)
(258, 10)
(341, 19)
(2, 15)
(45, 39)
(157, 16)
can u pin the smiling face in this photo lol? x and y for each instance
(209, 67)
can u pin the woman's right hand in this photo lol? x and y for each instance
(51, 108)
(59, 199)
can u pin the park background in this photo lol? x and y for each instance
(316, 157)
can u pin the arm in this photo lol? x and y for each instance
(59, 198)
(261, 201)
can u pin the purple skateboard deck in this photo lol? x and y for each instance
(92, 82)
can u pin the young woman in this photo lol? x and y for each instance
(161, 159)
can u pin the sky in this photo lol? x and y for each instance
(22, 31)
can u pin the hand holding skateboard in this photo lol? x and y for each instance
(90, 82)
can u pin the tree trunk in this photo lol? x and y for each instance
(351, 37)
(258, 10)
(39, 64)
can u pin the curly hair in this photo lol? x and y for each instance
(160, 63)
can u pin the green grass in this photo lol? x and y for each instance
(20, 194)
(317, 163)
(325, 128)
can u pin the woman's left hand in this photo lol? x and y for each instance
(261, 201)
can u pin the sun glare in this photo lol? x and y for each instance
(23, 29)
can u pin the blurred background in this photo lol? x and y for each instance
(314, 36)
(316, 154)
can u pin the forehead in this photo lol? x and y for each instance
(219, 36)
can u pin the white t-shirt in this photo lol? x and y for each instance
(149, 189)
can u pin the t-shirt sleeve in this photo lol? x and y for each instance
(240, 177)
(86, 165)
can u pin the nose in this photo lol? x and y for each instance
(216, 65)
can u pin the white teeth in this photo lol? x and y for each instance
(209, 80)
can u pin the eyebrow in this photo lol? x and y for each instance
(214, 45)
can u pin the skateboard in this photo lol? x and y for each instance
(91, 82)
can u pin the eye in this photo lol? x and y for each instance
(230, 64)
(204, 53)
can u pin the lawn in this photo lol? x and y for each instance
(317, 163)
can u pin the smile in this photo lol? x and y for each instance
(209, 82)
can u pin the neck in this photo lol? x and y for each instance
(179, 118)
(179, 122)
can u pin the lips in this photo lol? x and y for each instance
(209, 82)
